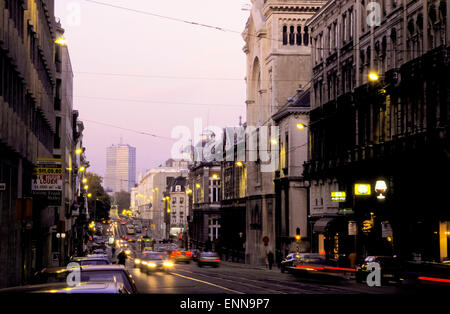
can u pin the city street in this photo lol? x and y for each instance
(237, 278)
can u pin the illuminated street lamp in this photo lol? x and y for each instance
(82, 168)
(79, 151)
(301, 126)
(89, 195)
(274, 141)
(239, 163)
(86, 187)
(61, 41)
(373, 76)
(84, 180)
(198, 185)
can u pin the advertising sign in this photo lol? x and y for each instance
(338, 196)
(362, 189)
(352, 228)
(47, 180)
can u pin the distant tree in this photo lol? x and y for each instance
(122, 199)
(99, 202)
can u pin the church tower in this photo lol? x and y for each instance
(278, 49)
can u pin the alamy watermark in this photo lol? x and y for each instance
(217, 144)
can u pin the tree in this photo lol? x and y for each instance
(99, 202)
(122, 199)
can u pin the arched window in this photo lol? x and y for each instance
(292, 36)
(305, 36)
(299, 35)
(285, 35)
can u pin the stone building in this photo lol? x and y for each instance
(291, 189)
(379, 129)
(277, 45)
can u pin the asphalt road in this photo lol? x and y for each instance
(236, 278)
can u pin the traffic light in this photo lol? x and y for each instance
(298, 237)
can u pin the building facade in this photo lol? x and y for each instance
(150, 198)
(291, 189)
(277, 45)
(120, 168)
(379, 130)
(36, 122)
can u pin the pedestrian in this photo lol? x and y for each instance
(270, 259)
(113, 250)
(122, 257)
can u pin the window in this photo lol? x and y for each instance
(174, 200)
(292, 36)
(305, 36)
(213, 227)
(344, 26)
(285, 35)
(214, 191)
(299, 35)
(181, 200)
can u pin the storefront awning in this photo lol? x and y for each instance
(322, 224)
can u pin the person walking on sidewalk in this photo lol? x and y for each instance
(122, 257)
(270, 258)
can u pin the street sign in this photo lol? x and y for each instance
(47, 180)
(2, 186)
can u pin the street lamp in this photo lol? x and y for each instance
(84, 180)
(373, 76)
(79, 151)
(239, 163)
(61, 41)
(82, 168)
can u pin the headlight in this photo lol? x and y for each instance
(168, 264)
(144, 263)
(151, 265)
(137, 261)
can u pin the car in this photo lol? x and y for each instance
(179, 256)
(153, 261)
(208, 259)
(63, 287)
(89, 273)
(390, 267)
(288, 261)
(92, 260)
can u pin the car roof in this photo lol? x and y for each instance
(62, 287)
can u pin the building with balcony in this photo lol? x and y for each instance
(379, 127)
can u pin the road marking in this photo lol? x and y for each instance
(207, 283)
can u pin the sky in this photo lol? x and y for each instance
(151, 74)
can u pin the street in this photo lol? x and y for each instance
(236, 278)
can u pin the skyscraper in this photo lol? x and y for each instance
(120, 168)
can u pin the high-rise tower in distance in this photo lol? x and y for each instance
(120, 168)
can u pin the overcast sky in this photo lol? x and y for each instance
(125, 63)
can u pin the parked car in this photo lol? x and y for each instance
(62, 287)
(153, 261)
(208, 259)
(390, 267)
(89, 273)
(92, 260)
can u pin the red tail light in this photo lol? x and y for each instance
(188, 253)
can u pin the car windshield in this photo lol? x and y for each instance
(107, 275)
(210, 255)
(153, 256)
